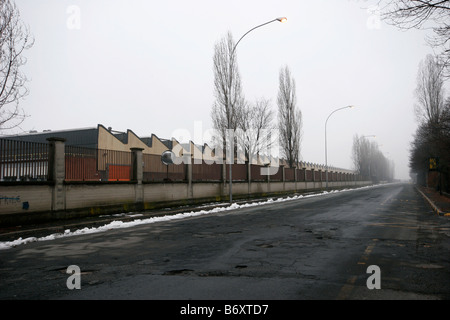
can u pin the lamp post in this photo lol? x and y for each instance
(231, 136)
(326, 160)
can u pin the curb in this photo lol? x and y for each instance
(435, 208)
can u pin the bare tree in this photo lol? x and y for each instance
(228, 106)
(426, 145)
(356, 154)
(14, 39)
(255, 128)
(289, 118)
(369, 161)
(361, 155)
(429, 91)
(409, 14)
(432, 138)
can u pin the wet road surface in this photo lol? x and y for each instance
(311, 248)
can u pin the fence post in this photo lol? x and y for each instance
(295, 176)
(57, 172)
(190, 186)
(320, 178)
(188, 159)
(224, 177)
(137, 167)
(268, 176)
(249, 176)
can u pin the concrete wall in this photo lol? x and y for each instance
(25, 198)
(91, 198)
(59, 199)
(86, 195)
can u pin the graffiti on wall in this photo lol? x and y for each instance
(13, 200)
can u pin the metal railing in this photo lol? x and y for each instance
(89, 164)
(23, 161)
(29, 161)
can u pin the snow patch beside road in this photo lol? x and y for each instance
(120, 224)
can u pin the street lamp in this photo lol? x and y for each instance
(281, 19)
(231, 138)
(326, 160)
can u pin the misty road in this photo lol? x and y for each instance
(311, 248)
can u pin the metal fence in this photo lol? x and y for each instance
(81, 164)
(29, 161)
(88, 164)
(23, 161)
(206, 172)
(155, 170)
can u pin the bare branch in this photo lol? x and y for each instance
(227, 88)
(369, 161)
(255, 128)
(429, 91)
(415, 14)
(14, 39)
(289, 118)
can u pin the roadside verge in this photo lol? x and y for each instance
(439, 203)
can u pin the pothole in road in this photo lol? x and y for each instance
(177, 272)
(214, 235)
(213, 273)
(265, 245)
(429, 266)
(64, 270)
(190, 272)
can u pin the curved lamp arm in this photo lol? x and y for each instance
(326, 160)
(281, 19)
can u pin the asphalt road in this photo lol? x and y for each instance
(311, 248)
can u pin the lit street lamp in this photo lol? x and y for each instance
(231, 138)
(282, 20)
(326, 160)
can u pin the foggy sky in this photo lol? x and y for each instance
(147, 66)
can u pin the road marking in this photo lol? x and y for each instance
(368, 249)
(347, 288)
(391, 225)
(388, 199)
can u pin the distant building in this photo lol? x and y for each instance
(104, 138)
(101, 138)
